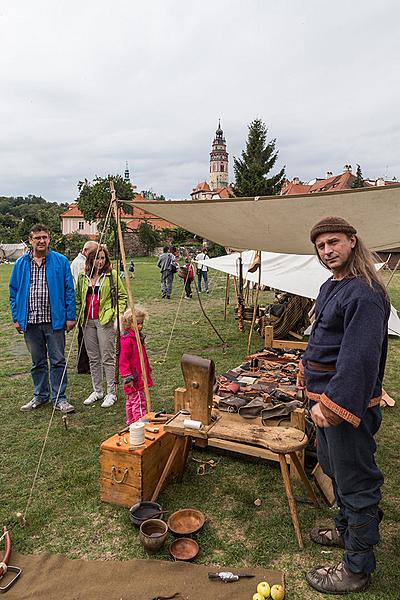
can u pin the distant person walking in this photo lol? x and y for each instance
(129, 365)
(202, 270)
(42, 301)
(186, 272)
(98, 293)
(167, 265)
(78, 266)
(132, 268)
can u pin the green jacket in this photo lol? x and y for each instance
(107, 312)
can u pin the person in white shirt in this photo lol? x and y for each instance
(202, 270)
(78, 266)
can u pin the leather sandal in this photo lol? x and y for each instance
(274, 411)
(337, 580)
(231, 404)
(327, 537)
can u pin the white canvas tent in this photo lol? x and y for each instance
(283, 223)
(12, 251)
(302, 275)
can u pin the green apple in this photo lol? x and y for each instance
(277, 592)
(263, 589)
(258, 596)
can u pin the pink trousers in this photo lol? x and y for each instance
(135, 405)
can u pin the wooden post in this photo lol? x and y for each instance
(131, 301)
(226, 295)
(254, 311)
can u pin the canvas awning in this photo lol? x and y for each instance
(283, 223)
(302, 275)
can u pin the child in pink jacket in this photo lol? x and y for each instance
(129, 365)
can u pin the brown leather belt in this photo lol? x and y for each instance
(317, 366)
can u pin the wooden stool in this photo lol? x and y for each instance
(285, 442)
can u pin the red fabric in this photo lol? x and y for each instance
(92, 306)
(129, 362)
(190, 271)
(135, 405)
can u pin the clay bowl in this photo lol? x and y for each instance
(186, 521)
(184, 549)
(152, 534)
(142, 511)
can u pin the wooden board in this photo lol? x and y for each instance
(324, 484)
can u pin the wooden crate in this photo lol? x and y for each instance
(129, 476)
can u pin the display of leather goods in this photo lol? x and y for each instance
(232, 404)
(253, 409)
(282, 396)
(276, 411)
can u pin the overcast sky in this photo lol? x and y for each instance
(89, 84)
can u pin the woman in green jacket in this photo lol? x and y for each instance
(98, 293)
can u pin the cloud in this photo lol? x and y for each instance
(86, 86)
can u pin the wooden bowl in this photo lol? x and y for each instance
(186, 521)
(184, 549)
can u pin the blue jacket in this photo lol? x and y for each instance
(349, 336)
(59, 283)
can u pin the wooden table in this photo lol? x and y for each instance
(233, 433)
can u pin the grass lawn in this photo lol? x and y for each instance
(66, 515)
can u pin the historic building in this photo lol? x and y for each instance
(217, 188)
(72, 220)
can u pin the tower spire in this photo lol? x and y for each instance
(219, 176)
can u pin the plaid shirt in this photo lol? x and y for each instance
(39, 302)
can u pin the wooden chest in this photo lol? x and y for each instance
(129, 476)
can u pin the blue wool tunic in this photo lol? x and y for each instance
(350, 337)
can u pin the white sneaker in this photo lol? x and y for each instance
(92, 398)
(109, 400)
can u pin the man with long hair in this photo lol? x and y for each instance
(342, 370)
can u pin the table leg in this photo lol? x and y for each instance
(304, 478)
(178, 445)
(291, 500)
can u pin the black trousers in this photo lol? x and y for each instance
(346, 454)
(83, 359)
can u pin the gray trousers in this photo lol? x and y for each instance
(100, 346)
(166, 282)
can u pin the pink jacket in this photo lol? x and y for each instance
(129, 362)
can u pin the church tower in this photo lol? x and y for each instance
(219, 176)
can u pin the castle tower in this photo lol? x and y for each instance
(126, 174)
(219, 176)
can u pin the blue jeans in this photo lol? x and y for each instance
(45, 344)
(204, 275)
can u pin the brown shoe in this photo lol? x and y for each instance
(337, 580)
(327, 537)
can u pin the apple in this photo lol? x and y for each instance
(277, 592)
(258, 596)
(263, 589)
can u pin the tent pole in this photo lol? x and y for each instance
(131, 301)
(254, 311)
(240, 295)
(227, 289)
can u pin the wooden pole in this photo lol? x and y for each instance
(226, 296)
(254, 311)
(240, 296)
(131, 301)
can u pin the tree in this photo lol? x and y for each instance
(94, 203)
(257, 161)
(359, 180)
(149, 237)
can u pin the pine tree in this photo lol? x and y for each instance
(257, 161)
(359, 180)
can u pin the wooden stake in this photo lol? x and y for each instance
(226, 296)
(131, 301)
(254, 311)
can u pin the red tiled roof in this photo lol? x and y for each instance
(225, 192)
(201, 187)
(295, 188)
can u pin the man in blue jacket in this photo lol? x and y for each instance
(42, 301)
(343, 369)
